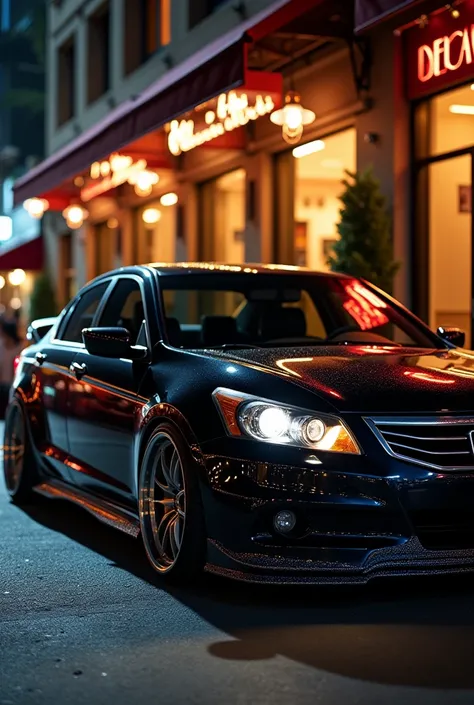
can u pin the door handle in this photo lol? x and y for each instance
(77, 369)
(40, 358)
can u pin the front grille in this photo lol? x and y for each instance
(439, 443)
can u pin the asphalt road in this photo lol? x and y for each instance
(83, 620)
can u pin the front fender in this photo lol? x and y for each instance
(155, 412)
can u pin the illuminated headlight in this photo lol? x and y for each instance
(276, 423)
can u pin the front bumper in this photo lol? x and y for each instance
(357, 519)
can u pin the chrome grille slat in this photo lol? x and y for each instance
(425, 438)
(432, 452)
(443, 449)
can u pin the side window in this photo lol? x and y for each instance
(83, 313)
(125, 309)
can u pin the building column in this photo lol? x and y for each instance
(383, 144)
(259, 209)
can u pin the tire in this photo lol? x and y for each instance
(19, 465)
(170, 507)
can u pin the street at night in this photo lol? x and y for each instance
(83, 619)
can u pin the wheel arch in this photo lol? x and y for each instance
(153, 416)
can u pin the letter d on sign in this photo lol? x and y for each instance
(425, 63)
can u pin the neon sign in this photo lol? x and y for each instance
(111, 173)
(232, 111)
(445, 54)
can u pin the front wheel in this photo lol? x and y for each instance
(19, 465)
(170, 507)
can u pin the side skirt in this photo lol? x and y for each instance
(103, 510)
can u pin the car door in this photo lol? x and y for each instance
(101, 432)
(53, 363)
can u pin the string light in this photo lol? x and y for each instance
(422, 21)
(455, 14)
(17, 277)
(169, 199)
(151, 216)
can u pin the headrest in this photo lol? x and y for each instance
(286, 323)
(173, 332)
(218, 330)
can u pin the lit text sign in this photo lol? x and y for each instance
(233, 111)
(445, 54)
(441, 54)
(109, 174)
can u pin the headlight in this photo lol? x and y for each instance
(268, 421)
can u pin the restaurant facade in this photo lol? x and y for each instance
(238, 153)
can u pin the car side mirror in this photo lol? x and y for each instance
(112, 343)
(455, 336)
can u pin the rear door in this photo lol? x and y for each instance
(102, 426)
(53, 363)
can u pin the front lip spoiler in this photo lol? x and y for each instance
(409, 559)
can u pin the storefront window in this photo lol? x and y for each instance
(451, 121)
(222, 221)
(105, 241)
(157, 225)
(319, 171)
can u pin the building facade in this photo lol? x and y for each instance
(162, 136)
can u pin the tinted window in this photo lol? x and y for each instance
(83, 313)
(124, 308)
(273, 310)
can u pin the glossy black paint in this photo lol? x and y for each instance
(357, 516)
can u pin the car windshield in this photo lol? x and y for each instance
(269, 310)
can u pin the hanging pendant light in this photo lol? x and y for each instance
(292, 118)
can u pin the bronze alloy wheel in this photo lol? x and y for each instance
(170, 508)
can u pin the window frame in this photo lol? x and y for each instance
(110, 291)
(68, 46)
(57, 340)
(92, 22)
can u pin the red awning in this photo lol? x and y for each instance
(27, 256)
(371, 12)
(217, 68)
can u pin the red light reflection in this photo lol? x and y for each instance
(364, 306)
(425, 377)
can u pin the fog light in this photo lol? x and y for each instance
(284, 521)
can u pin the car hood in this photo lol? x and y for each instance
(374, 379)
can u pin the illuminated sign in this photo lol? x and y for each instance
(447, 53)
(111, 173)
(233, 111)
(440, 54)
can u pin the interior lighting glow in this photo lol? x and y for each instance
(461, 109)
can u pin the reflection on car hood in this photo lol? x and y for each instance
(374, 379)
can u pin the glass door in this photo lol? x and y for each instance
(445, 259)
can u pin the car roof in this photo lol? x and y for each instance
(176, 268)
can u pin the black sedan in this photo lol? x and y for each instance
(265, 423)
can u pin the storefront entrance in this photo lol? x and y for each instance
(444, 234)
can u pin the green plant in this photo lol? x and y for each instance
(42, 299)
(364, 248)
